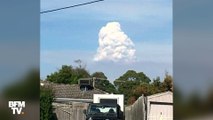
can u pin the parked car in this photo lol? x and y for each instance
(100, 111)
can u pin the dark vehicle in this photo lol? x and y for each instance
(100, 111)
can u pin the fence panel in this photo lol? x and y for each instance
(64, 113)
(136, 111)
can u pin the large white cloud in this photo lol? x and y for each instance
(114, 44)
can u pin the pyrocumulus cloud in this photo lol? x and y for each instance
(114, 44)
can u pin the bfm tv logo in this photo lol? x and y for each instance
(17, 106)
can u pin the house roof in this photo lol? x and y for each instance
(71, 91)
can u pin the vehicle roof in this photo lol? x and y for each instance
(107, 104)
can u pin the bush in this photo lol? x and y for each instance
(46, 100)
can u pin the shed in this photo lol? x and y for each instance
(160, 106)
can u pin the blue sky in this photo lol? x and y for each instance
(73, 33)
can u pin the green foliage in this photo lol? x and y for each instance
(81, 73)
(130, 80)
(156, 82)
(168, 83)
(141, 89)
(99, 75)
(104, 85)
(132, 75)
(46, 99)
(68, 75)
(156, 86)
(133, 85)
(131, 100)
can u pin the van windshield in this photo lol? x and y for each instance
(102, 109)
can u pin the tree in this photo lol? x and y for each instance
(132, 75)
(141, 89)
(99, 75)
(126, 83)
(156, 86)
(46, 99)
(131, 100)
(63, 75)
(104, 85)
(68, 75)
(156, 82)
(168, 83)
(81, 73)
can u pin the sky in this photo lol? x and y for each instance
(109, 36)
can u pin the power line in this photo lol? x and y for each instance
(81, 4)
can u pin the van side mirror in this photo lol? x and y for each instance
(85, 112)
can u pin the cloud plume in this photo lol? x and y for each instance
(114, 44)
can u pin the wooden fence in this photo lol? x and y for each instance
(136, 111)
(69, 112)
